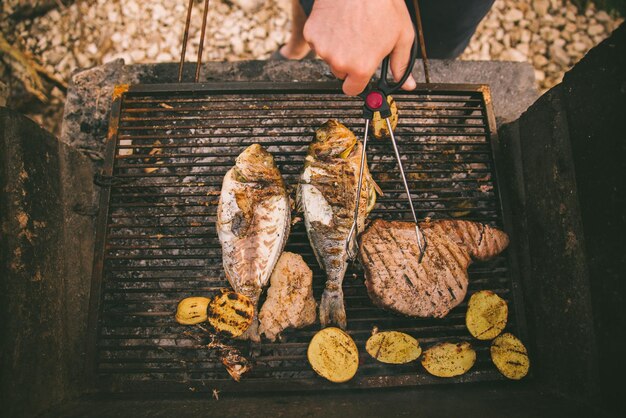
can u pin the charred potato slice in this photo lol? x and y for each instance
(379, 125)
(449, 359)
(486, 316)
(231, 313)
(192, 310)
(510, 356)
(333, 355)
(393, 347)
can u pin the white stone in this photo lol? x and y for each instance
(237, 45)
(523, 48)
(138, 55)
(540, 75)
(513, 55)
(248, 5)
(540, 60)
(558, 55)
(163, 57)
(92, 49)
(595, 29)
(153, 51)
(541, 7)
(513, 15)
(603, 16)
(570, 27)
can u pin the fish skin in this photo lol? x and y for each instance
(253, 223)
(327, 197)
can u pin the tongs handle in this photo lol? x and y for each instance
(375, 94)
(389, 87)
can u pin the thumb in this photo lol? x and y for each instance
(399, 60)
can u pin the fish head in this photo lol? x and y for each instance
(332, 140)
(255, 165)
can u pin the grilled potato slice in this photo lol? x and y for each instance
(393, 347)
(510, 356)
(192, 310)
(333, 355)
(449, 359)
(379, 125)
(486, 316)
(231, 313)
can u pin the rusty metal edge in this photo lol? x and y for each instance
(107, 384)
(95, 294)
(507, 221)
(288, 87)
(316, 384)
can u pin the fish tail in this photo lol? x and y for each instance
(332, 310)
(252, 333)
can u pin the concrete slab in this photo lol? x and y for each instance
(89, 97)
(47, 214)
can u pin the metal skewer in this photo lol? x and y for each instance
(350, 250)
(421, 241)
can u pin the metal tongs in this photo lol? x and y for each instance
(375, 100)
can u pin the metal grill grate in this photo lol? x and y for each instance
(167, 152)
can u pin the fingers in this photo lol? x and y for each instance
(355, 83)
(356, 76)
(341, 75)
(399, 59)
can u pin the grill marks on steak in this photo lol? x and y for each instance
(394, 278)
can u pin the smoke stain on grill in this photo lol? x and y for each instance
(161, 245)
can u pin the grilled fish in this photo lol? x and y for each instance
(327, 196)
(253, 222)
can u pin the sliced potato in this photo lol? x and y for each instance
(449, 359)
(486, 316)
(510, 356)
(393, 347)
(333, 355)
(192, 310)
(231, 313)
(379, 125)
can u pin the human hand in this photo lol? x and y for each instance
(353, 37)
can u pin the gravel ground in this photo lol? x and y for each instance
(551, 34)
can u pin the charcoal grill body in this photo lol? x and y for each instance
(168, 149)
(565, 294)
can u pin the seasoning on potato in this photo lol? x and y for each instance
(379, 125)
(393, 347)
(333, 355)
(231, 313)
(487, 315)
(449, 359)
(510, 356)
(192, 310)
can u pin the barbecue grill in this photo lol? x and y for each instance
(168, 149)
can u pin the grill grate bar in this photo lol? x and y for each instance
(168, 152)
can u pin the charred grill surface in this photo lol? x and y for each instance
(169, 149)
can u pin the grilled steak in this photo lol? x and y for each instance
(290, 302)
(396, 281)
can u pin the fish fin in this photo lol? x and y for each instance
(252, 333)
(299, 204)
(332, 309)
(373, 183)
